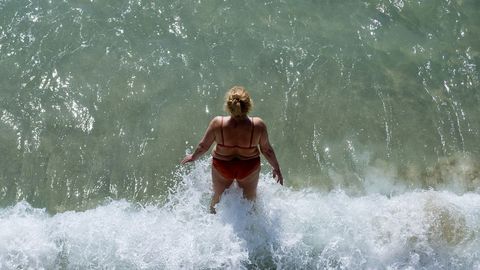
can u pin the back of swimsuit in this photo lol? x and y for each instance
(236, 168)
(237, 146)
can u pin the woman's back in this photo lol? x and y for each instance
(236, 138)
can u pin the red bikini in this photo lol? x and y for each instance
(236, 168)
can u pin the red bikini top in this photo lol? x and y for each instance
(237, 146)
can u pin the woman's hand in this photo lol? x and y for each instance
(187, 158)
(277, 174)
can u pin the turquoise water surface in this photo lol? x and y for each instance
(372, 107)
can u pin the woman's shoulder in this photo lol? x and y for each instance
(258, 122)
(215, 122)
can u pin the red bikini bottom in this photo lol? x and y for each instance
(236, 168)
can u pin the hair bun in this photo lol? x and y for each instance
(237, 101)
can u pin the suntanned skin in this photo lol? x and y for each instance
(236, 132)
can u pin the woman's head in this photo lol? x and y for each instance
(238, 102)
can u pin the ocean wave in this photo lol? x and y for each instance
(285, 228)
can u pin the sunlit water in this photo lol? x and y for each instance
(372, 107)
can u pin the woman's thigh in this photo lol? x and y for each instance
(249, 184)
(220, 183)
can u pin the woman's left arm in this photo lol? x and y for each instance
(204, 144)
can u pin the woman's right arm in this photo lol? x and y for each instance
(204, 144)
(267, 150)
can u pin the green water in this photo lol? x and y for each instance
(101, 99)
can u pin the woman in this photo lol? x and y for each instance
(236, 155)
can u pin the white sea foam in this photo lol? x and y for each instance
(285, 229)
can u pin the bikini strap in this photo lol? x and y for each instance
(221, 130)
(251, 136)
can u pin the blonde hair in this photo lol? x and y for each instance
(238, 102)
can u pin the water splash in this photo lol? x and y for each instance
(285, 228)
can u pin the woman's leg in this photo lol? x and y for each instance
(249, 184)
(220, 183)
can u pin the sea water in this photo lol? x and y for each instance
(372, 107)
